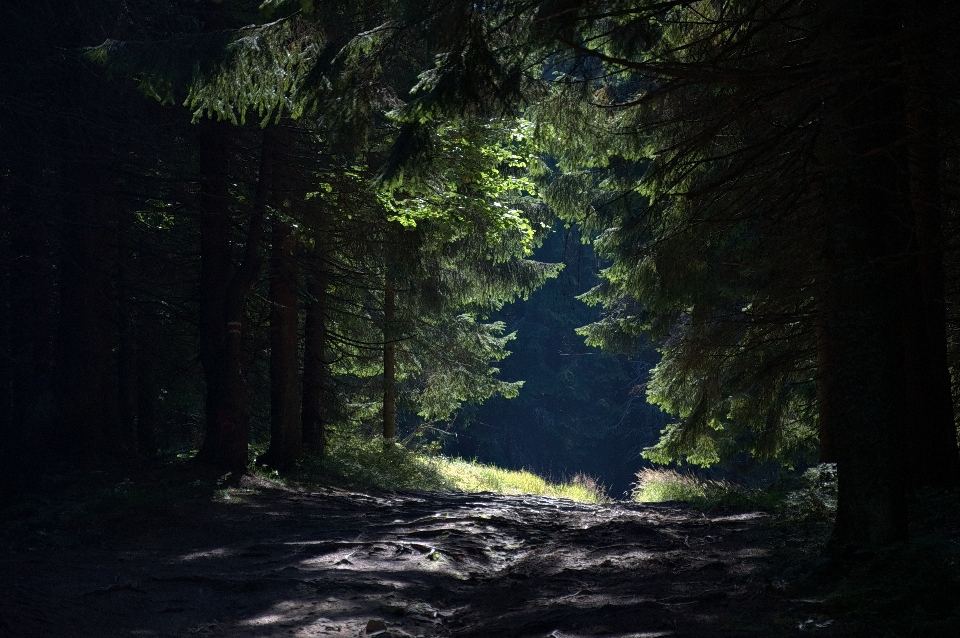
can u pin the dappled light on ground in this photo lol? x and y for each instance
(280, 562)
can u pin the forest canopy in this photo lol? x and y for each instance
(221, 214)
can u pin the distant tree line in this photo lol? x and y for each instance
(581, 410)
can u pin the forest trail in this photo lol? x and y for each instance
(273, 561)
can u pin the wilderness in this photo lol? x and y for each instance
(556, 318)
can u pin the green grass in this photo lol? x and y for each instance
(359, 462)
(471, 476)
(810, 496)
(658, 485)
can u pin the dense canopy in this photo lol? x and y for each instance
(229, 215)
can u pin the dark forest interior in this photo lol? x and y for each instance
(698, 251)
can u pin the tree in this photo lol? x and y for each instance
(721, 132)
(750, 140)
(389, 281)
(91, 322)
(579, 410)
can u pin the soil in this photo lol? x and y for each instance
(267, 560)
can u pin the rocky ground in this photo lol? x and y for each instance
(265, 560)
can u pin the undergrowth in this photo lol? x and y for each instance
(471, 476)
(810, 496)
(904, 591)
(360, 462)
(658, 485)
(84, 508)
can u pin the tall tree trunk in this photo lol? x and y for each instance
(934, 455)
(126, 328)
(863, 384)
(826, 420)
(214, 274)
(228, 417)
(863, 308)
(86, 384)
(29, 295)
(314, 352)
(234, 414)
(146, 398)
(148, 352)
(286, 440)
(389, 359)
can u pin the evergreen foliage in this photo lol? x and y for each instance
(770, 184)
(765, 179)
(449, 233)
(580, 410)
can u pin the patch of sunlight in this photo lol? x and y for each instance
(232, 494)
(661, 484)
(284, 612)
(266, 619)
(220, 552)
(471, 477)
(402, 559)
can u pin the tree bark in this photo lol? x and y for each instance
(285, 429)
(148, 353)
(389, 360)
(214, 274)
(826, 420)
(146, 400)
(223, 313)
(934, 455)
(863, 307)
(126, 328)
(28, 324)
(86, 379)
(314, 352)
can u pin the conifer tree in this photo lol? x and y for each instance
(772, 253)
(386, 266)
(753, 162)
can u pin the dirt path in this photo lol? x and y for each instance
(277, 562)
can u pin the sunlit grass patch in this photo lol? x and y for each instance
(361, 462)
(658, 485)
(471, 476)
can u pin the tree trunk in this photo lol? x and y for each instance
(863, 387)
(314, 364)
(146, 400)
(228, 417)
(827, 423)
(389, 360)
(29, 295)
(934, 455)
(863, 307)
(214, 274)
(127, 351)
(86, 383)
(147, 354)
(285, 430)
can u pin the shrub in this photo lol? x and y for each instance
(658, 485)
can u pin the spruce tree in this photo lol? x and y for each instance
(753, 162)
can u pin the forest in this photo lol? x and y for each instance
(592, 240)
